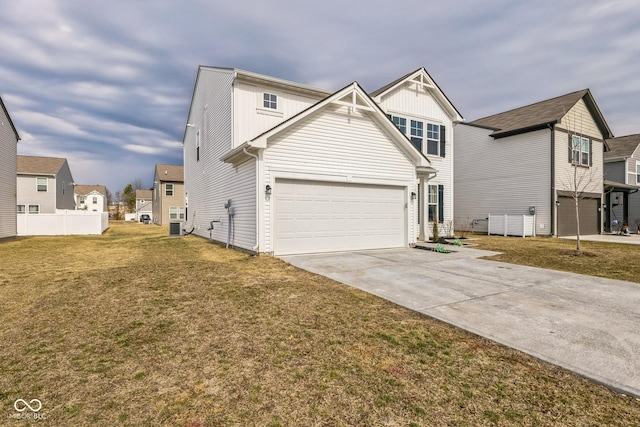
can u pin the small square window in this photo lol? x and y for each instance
(270, 101)
(21, 209)
(34, 209)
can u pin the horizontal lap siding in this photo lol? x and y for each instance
(8, 152)
(209, 183)
(503, 176)
(336, 145)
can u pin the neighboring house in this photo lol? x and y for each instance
(523, 161)
(622, 182)
(279, 167)
(168, 194)
(92, 198)
(44, 184)
(8, 168)
(144, 203)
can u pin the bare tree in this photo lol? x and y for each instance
(583, 178)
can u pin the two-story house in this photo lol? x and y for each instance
(622, 182)
(92, 198)
(168, 194)
(280, 167)
(538, 159)
(44, 184)
(144, 203)
(8, 168)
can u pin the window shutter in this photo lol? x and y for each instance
(440, 203)
(590, 152)
(570, 148)
(443, 142)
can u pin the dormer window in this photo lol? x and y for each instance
(270, 101)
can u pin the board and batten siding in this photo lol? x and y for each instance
(589, 179)
(502, 176)
(415, 102)
(337, 145)
(210, 183)
(251, 118)
(8, 181)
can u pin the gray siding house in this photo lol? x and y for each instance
(44, 184)
(8, 153)
(622, 182)
(534, 159)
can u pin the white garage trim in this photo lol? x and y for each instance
(322, 216)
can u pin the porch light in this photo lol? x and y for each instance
(557, 203)
(413, 195)
(267, 190)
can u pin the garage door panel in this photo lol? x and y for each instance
(313, 216)
(588, 212)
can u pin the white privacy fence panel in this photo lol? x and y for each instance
(63, 223)
(512, 225)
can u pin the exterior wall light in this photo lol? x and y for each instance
(413, 195)
(267, 190)
(557, 203)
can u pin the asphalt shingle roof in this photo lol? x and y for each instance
(39, 165)
(170, 173)
(83, 190)
(623, 146)
(532, 116)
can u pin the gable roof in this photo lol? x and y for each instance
(541, 114)
(170, 173)
(422, 77)
(144, 194)
(6, 113)
(353, 96)
(83, 190)
(40, 165)
(622, 146)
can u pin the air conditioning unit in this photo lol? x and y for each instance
(175, 229)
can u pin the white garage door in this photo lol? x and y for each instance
(315, 216)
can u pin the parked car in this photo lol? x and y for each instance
(145, 218)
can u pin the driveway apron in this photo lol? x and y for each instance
(585, 324)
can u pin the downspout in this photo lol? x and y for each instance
(553, 179)
(255, 156)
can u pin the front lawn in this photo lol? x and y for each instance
(612, 260)
(137, 328)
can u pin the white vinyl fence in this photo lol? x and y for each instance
(512, 225)
(62, 223)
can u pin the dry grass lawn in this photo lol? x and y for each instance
(136, 328)
(612, 260)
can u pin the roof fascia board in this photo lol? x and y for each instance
(255, 77)
(498, 135)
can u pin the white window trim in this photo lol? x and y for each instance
(432, 194)
(46, 184)
(580, 150)
(34, 213)
(176, 213)
(427, 139)
(173, 189)
(261, 109)
(637, 172)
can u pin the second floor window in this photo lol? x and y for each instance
(433, 138)
(637, 173)
(580, 151)
(41, 184)
(270, 101)
(95, 200)
(168, 189)
(417, 133)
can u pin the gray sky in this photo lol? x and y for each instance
(107, 84)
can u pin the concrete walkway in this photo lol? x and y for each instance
(631, 239)
(585, 324)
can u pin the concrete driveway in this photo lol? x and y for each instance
(585, 324)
